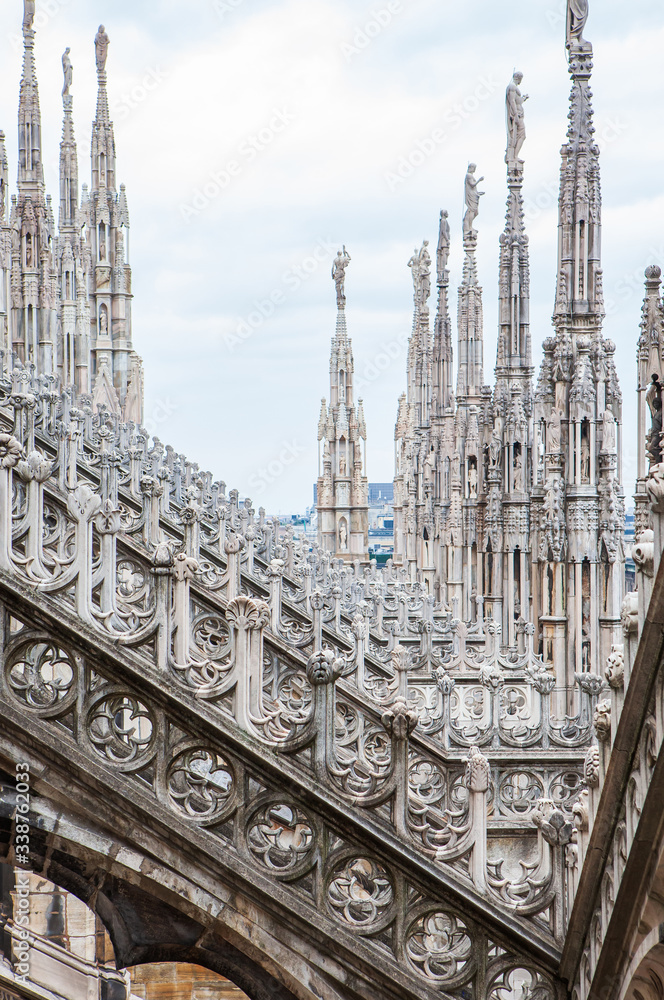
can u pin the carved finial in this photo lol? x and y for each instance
(102, 42)
(515, 120)
(472, 201)
(577, 15)
(341, 262)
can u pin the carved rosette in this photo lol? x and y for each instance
(282, 838)
(440, 948)
(200, 784)
(360, 893)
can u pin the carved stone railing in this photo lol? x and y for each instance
(387, 697)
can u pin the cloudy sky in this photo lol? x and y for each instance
(257, 136)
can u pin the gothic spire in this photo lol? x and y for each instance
(30, 165)
(579, 286)
(343, 490)
(419, 351)
(68, 154)
(103, 139)
(443, 376)
(470, 373)
(514, 344)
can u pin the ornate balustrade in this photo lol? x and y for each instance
(400, 710)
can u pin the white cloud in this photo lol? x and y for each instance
(210, 82)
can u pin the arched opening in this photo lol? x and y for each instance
(71, 954)
(102, 241)
(179, 979)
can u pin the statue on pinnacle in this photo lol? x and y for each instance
(420, 264)
(577, 15)
(28, 14)
(515, 120)
(443, 242)
(472, 201)
(67, 70)
(102, 42)
(341, 262)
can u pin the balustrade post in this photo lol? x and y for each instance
(248, 619)
(400, 721)
(83, 505)
(34, 472)
(275, 572)
(555, 833)
(11, 452)
(184, 570)
(233, 546)
(477, 780)
(151, 492)
(162, 568)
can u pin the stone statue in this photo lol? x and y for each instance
(654, 401)
(443, 242)
(67, 71)
(518, 473)
(101, 48)
(420, 264)
(341, 262)
(515, 119)
(103, 323)
(608, 432)
(472, 481)
(28, 13)
(343, 535)
(495, 447)
(472, 200)
(577, 15)
(585, 460)
(554, 433)
(342, 466)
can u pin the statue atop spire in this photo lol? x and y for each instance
(28, 14)
(102, 42)
(577, 15)
(67, 70)
(472, 201)
(443, 243)
(420, 264)
(341, 262)
(515, 120)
